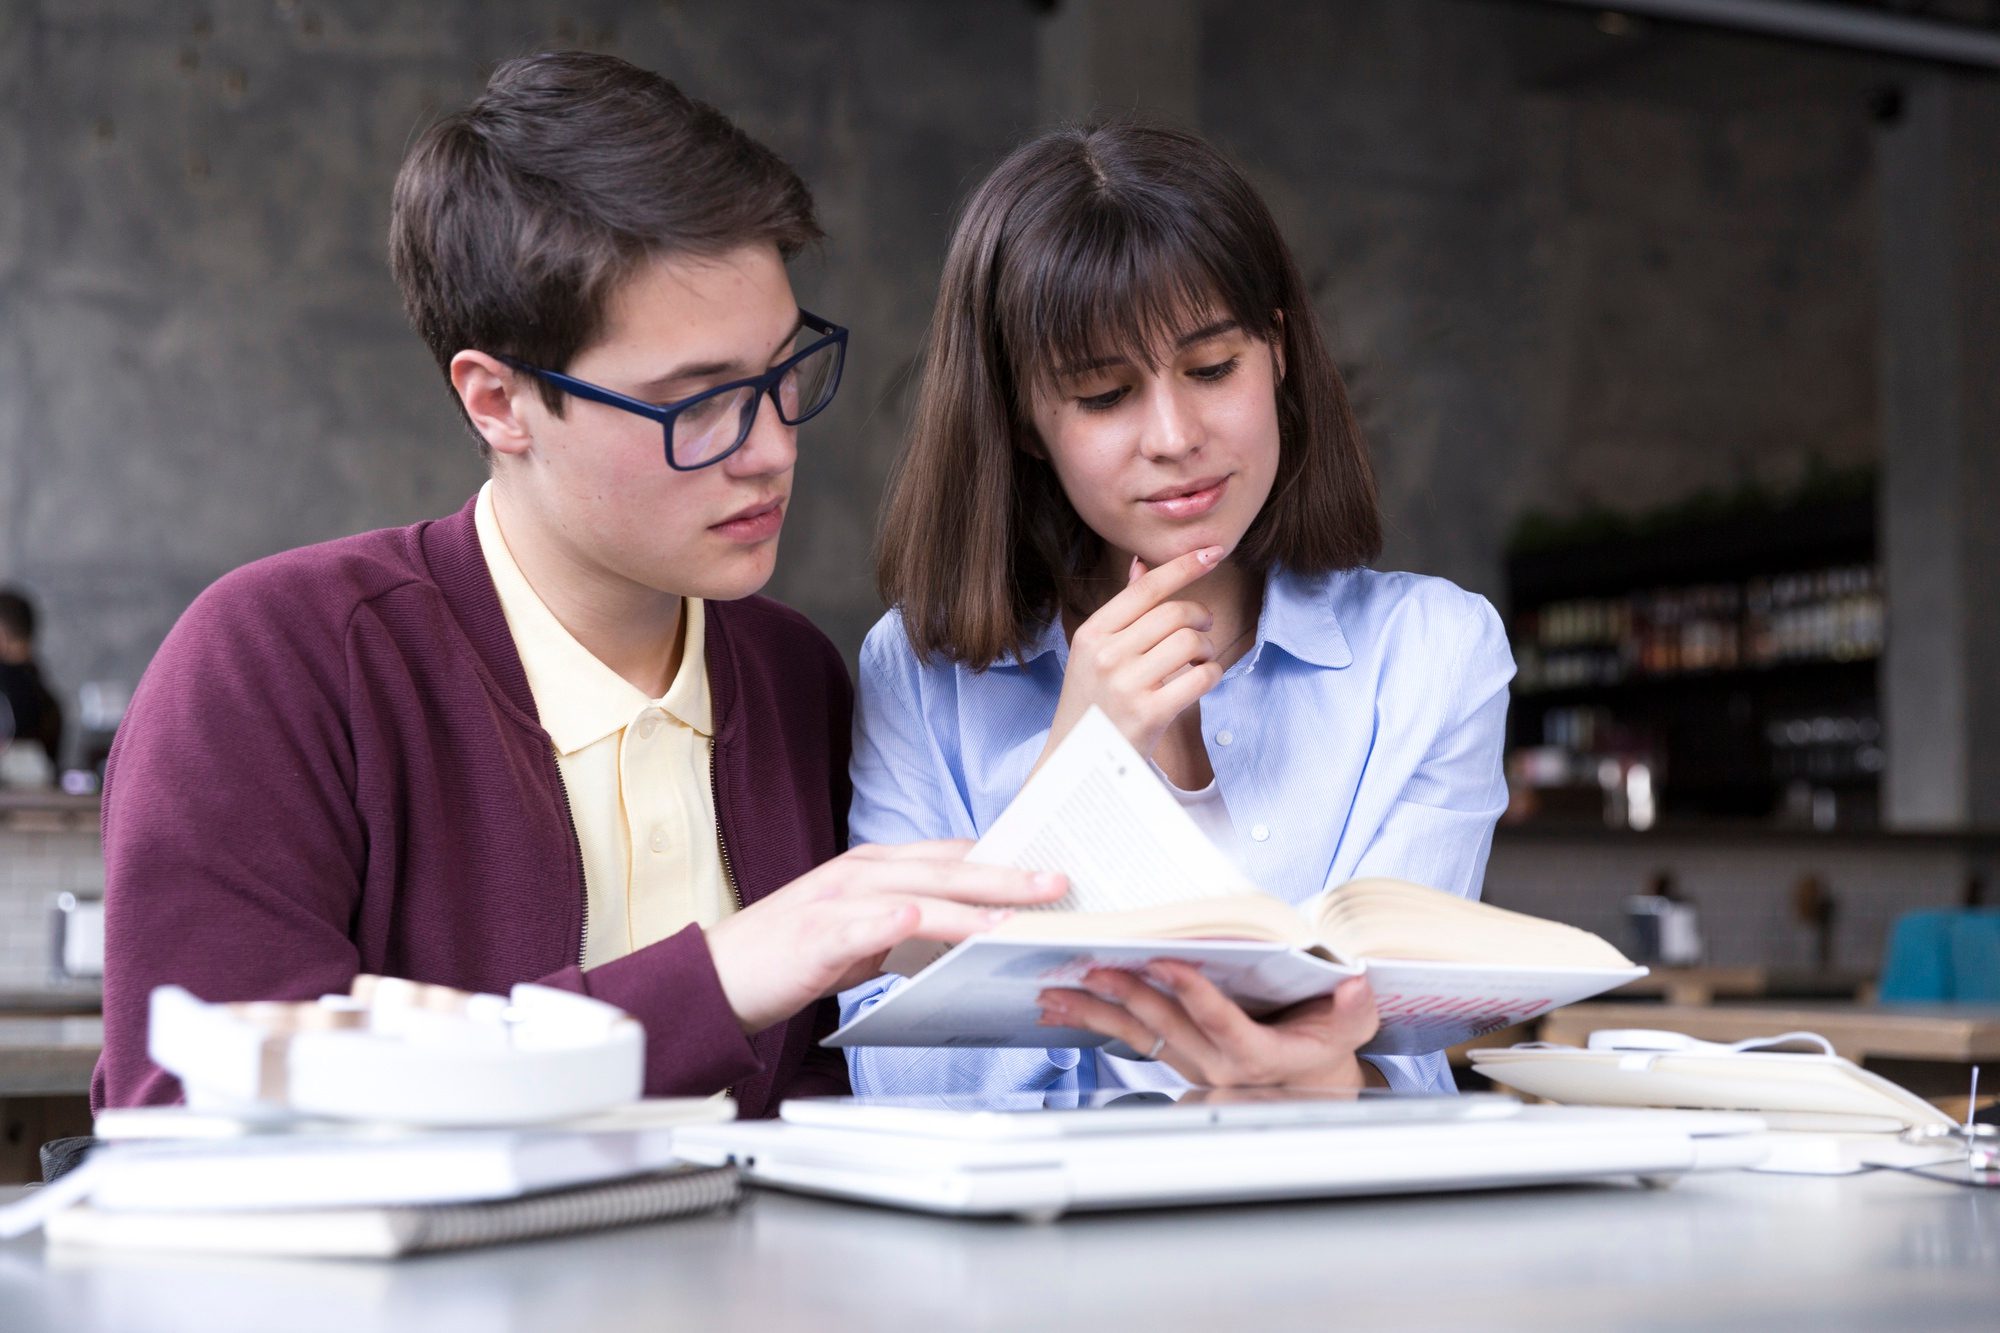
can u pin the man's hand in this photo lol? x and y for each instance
(1185, 1022)
(829, 928)
(1144, 657)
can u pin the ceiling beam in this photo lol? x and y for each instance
(1832, 24)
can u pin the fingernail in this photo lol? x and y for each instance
(1208, 555)
(995, 915)
(1048, 880)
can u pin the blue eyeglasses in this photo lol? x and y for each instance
(714, 423)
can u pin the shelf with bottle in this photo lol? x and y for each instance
(1808, 617)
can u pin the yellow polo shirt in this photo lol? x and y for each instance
(637, 769)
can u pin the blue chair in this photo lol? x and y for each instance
(1944, 956)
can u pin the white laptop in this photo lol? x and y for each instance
(1013, 1155)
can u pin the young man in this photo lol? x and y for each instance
(551, 737)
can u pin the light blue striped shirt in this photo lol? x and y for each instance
(1360, 735)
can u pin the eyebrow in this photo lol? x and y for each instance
(1181, 344)
(703, 369)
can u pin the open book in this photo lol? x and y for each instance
(1146, 884)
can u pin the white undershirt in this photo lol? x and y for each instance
(1209, 813)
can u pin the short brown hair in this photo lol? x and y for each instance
(514, 221)
(1089, 242)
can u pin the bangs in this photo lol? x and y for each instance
(1078, 292)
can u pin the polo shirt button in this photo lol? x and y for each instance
(1224, 737)
(648, 727)
(659, 840)
(1261, 833)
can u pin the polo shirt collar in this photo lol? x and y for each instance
(580, 700)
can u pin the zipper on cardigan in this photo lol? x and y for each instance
(722, 845)
(576, 847)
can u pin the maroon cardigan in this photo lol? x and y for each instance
(333, 766)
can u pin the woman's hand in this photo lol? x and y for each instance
(831, 927)
(1144, 658)
(1186, 1023)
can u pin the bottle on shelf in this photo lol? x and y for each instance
(1824, 615)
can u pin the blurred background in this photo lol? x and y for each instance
(1674, 327)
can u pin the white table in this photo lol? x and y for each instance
(1718, 1252)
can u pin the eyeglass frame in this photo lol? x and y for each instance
(665, 414)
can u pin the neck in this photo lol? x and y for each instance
(633, 629)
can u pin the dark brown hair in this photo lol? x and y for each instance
(514, 221)
(1090, 242)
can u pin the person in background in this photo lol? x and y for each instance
(31, 710)
(552, 737)
(1133, 481)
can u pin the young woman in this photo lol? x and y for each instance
(1133, 481)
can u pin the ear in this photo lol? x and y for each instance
(1029, 442)
(1278, 344)
(490, 391)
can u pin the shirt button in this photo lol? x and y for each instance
(1261, 833)
(648, 727)
(1224, 736)
(659, 840)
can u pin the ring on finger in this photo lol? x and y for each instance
(1158, 1046)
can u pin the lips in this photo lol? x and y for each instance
(1189, 499)
(1186, 489)
(756, 523)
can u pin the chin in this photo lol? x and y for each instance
(745, 574)
(1172, 546)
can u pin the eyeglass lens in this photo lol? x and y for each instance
(714, 426)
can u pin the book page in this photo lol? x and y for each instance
(1429, 1006)
(1096, 813)
(1381, 919)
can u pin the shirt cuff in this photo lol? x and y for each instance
(694, 1044)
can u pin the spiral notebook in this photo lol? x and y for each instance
(387, 1233)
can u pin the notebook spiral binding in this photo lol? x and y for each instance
(567, 1212)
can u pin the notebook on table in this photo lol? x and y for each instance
(388, 1233)
(1827, 1115)
(158, 1166)
(1011, 1155)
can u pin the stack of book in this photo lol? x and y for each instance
(166, 1178)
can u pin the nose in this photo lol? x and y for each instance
(771, 448)
(1173, 427)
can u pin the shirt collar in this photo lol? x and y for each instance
(580, 700)
(1047, 637)
(1298, 617)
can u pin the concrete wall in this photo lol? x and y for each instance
(202, 357)
(1560, 266)
(1563, 267)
